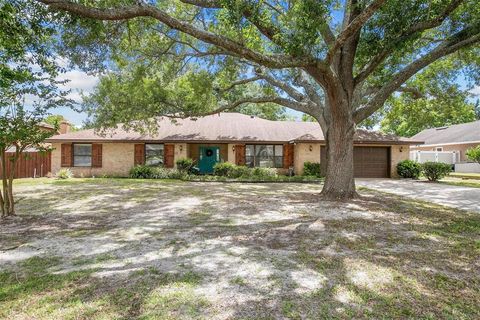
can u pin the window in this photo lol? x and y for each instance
(82, 155)
(154, 154)
(263, 155)
(439, 149)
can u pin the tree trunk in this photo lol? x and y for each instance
(339, 182)
(4, 182)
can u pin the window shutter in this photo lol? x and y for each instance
(139, 154)
(240, 154)
(96, 155)
(288, 155)
(66, 155)
(168, 155)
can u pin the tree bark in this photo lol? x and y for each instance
(5, 204)
(339, 182)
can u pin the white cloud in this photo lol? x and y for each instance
(475, 91)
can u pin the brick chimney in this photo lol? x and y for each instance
(65, 127)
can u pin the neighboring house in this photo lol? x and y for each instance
(232, 137)
(455, 139)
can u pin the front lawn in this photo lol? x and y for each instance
(470, 182)
(161, 249)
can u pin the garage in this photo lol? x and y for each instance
(369, 162)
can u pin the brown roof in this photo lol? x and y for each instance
(361, 136)
(458, 133)
(223, 127)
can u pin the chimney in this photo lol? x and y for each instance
(64, 127)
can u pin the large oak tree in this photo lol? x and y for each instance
(337, 61)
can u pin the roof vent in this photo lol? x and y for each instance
(442, 128)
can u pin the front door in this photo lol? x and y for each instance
(208, 157)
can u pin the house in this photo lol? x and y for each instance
(455, 140)
(233, 137)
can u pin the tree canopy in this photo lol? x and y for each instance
(28, 70)
(336, 61)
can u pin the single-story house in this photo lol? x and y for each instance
(233, 137)
(455, 139)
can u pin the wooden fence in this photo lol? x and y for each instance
(31, 164)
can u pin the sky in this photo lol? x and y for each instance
(81, 82)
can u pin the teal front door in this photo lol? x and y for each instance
(208, 157)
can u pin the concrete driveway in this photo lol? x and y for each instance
(453, 196)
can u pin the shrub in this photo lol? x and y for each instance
(409, 169)
(185, 164)
(435, 171)
(64, 174)
(223, 169)
(473, 154)
(142, 172)
(264, 172)
(312, 169)
(240, 171)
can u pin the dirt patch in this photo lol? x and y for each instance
(231, 251)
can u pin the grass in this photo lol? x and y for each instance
(472, 183)
(465, 175)
(151, 249)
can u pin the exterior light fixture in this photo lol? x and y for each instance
(401, 149)
(181, 148)
(233, 148)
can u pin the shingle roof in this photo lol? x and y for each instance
(465, 132)
(223, 127)
(361, 136)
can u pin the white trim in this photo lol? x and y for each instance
(445, 144)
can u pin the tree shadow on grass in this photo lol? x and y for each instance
(195, 251)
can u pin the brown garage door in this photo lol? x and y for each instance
(369, 162)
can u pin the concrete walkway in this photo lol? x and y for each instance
(453, 196)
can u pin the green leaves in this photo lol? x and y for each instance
(473, 154)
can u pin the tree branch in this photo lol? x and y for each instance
(416, 28)
(288, 89)
(302, 107)
(237, 83)
(272, 61)
(464, 38)
(353, 27)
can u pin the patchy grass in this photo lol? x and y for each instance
(137, 249)
(465, 175)
(470, 182)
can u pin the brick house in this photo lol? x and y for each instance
(232, 137)
(455, 138)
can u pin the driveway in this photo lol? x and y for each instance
(453, 196)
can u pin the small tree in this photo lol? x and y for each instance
(28, 68)
(20, 131)
(474, 154)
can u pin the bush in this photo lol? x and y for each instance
(142, 172)
(240, 171)
(435, 171)
(409, 169)
(312, 169)
(473, 154)
(185, 164)
(147, 172)
(64, 174)
(264, 172)
(223, 169)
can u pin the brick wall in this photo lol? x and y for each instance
(303, 154)
(397, 154)
(117, 160)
